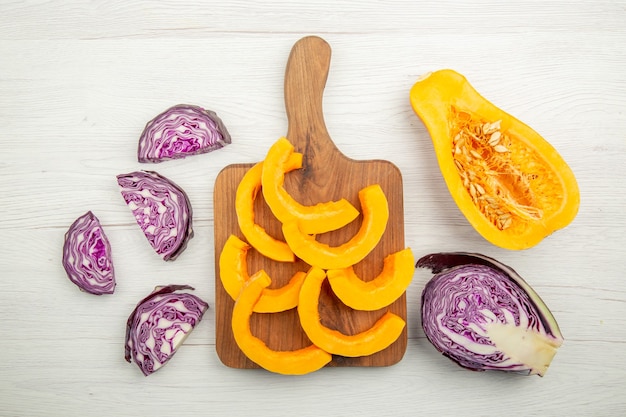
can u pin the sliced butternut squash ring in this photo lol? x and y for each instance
(296, 362)
(234, 265)
(255, 234)
(319, 218)
(375, 215)
(234, 275)
(382, 334)
(275, 300)
(387, 287)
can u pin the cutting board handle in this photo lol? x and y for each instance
(305, 79)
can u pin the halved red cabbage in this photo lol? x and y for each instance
(159, 324)
(180, 131)
(87, 256)
(481, 314)
(162, 210)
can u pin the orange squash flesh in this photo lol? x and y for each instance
(234, 276)
(296, 362)
(255, 234)
(275, 300)
(382, 334)
(319, 218)
(233, 265)
(509, 182)
(387, 287)
(375, 215)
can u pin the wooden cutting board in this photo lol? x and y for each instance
(326, 174)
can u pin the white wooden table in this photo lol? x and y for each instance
(78, 81)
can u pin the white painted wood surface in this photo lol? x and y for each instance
(78, 81)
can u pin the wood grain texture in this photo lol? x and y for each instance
(326, 175)
(78, 82)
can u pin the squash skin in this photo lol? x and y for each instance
(432, 97)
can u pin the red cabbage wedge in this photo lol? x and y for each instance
(162, 210)
(160, 324)
(181, 131)
(87, 256)
(481, 314)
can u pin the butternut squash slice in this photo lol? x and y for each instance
(382, 334)
(509, 182)
(255, 234)
(275, 300)
(296, 362)
(234, 275)
(319, 218)
(233, 265)
(375, 215)
(387, 287)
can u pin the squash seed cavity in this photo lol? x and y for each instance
(499, 171)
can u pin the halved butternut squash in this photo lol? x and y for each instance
(512, 186)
